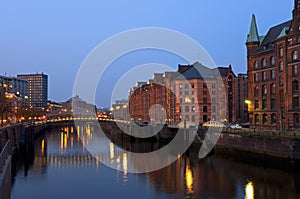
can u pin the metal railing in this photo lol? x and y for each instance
(4, 155)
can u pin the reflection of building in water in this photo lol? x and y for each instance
(61, 147)
(189, 177)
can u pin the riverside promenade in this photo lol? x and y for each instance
(13, 139)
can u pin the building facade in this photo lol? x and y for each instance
(242, 86)
(187, 95)
(120, 110)
(16, 86)
(153, 101)
(273, 74)
(206, 94)
(37, 89)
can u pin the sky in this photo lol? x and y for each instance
(55, 37)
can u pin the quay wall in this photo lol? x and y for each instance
(278, 147)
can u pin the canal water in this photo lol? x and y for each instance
(61, 167)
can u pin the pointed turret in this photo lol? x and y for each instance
(253, 33)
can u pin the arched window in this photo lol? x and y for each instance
(280, 80)
(256, 65)
(272, 60)
(264, 90)
(295, 70)
(281, 66)
(280, 52)
(295, 55)
(264, 63)
(295, 86)
(273, 89)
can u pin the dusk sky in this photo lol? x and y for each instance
(54, 37)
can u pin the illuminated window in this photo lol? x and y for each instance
(273, 89)
(295, 70)
(295, 55)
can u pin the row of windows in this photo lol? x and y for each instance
(264, 90)
(294, 56)
(205, 118)
(188, 86)
(265, 119)
(264, 63)
(295, 103)
(205, 92)
(192, 100)
(264, 76)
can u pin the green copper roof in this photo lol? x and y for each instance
(253, 34)
(261, 38)
(283, 32)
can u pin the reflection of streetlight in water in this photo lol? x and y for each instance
(249, 190)
(189, 179)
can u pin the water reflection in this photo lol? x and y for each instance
(249, 190)
(60, 159)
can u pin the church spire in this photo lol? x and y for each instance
(253, 33)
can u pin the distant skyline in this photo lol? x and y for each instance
(54, 37)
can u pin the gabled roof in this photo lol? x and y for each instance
(197, 71)
(273, 34)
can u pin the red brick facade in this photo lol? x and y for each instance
(273, 72)
(197, 98)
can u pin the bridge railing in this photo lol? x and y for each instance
(4, 154)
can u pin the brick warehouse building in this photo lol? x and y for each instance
(273, 74)
(200, 97)
(155, 91)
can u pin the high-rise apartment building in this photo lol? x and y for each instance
(37, 89)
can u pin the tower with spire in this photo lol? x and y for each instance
(273, 63)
